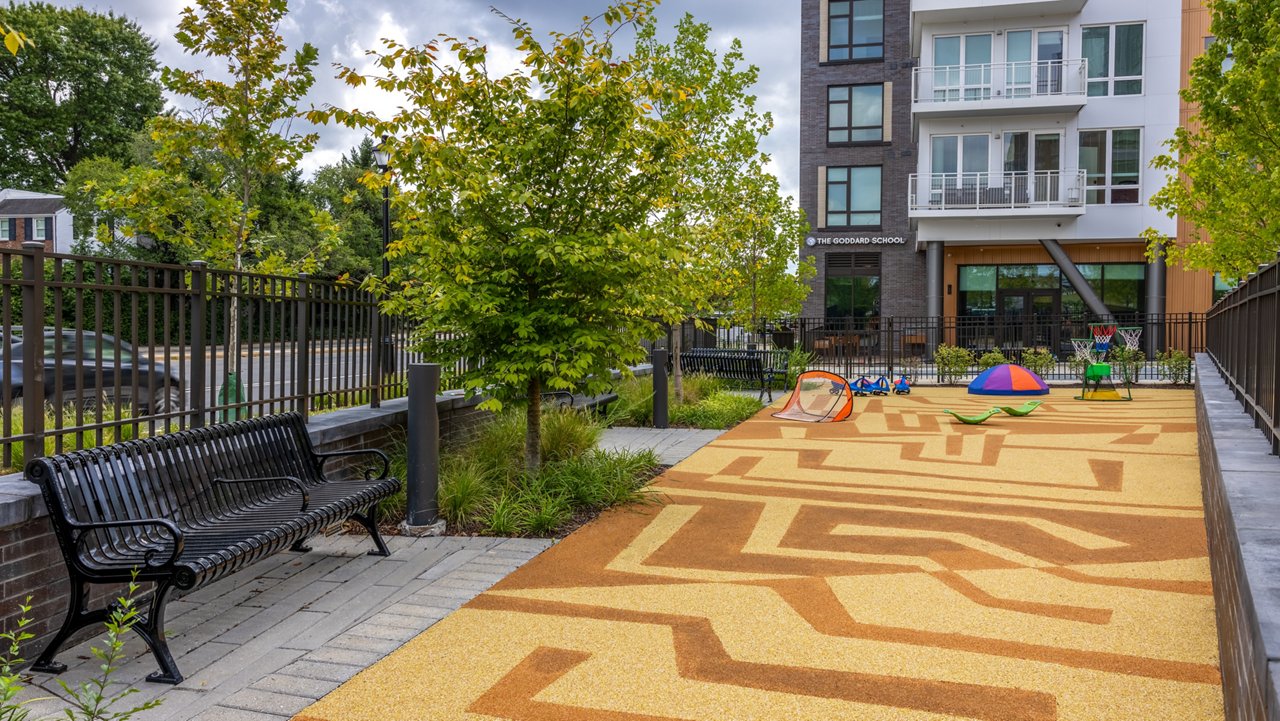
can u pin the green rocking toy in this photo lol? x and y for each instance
(972, 420)
(1023, 410)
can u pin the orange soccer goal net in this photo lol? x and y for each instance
(819, 397)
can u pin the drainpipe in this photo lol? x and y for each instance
(1078, 282)
(933, 291)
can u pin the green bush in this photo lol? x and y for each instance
(1174, 365)
(991, 359)
(1039, 361)
(722, 410)
(953, 362)
(706, 404)
(1130, 362)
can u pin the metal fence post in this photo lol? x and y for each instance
(893, 338)
(424, 446)
(302, 350)
(33, 359)
(661, 417)
(375, 359)
(199, 348)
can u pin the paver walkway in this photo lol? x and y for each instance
(896, 566)
(671, 445)
(265, 642)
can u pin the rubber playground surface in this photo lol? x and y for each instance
(894, 566)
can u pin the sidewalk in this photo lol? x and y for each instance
(266, 642)
(671, 445)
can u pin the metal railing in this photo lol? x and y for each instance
(1009, 82)
(984, 191)
(1244, 344)
(888, 345)
(125, 349)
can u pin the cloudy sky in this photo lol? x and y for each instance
(342, 30)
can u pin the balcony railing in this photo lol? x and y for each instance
(1000, 81)
(983, 191)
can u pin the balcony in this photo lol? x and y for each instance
(1039, 194)
(1032, 87)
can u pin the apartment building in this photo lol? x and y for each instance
(856, 153)
(1021, 162)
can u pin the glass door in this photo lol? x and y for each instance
(1032, 167)
(1028, 319)
(962, 67)
(1034, 60)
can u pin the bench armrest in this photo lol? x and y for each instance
(306, 497)
(386, 462)
(179, 540)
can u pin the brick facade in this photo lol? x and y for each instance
(902, 267)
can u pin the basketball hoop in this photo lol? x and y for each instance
(1131, 337)
(1102, 335)
(1085, 349)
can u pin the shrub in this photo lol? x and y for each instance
(722, 410)
(568, 433)
(1174, 365)
(464, 488)
(1130, 361)
(991, 359)
(1039, 361)
(952, 362)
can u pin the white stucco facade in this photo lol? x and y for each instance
(988, 205)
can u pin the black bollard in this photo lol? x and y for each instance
(661, 418)
(424, 445)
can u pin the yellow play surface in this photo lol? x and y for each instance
(894, 566)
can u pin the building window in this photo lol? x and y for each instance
(853, 197)
(853, 285)
(856, 30)
(982, 288)
(1229, 61)
(1112, 161)
(6, 228)
(1114, 53)
(855, 113)
(40, 229)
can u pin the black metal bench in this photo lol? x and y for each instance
(187, 508)
(757, 366)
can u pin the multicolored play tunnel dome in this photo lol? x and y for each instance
(1008, 380)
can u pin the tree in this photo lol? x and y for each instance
(81, 92)
(1229, 156)
(209, 163)
(357, 210)
(740, 235)
(528, 207)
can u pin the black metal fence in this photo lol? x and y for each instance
(888, 345)
(124, 349)
(1243, 332)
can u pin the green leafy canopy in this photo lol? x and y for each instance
(1229, 156)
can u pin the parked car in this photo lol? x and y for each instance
(104, 369)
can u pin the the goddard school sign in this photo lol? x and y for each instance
(855, 240)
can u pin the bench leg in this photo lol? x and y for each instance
(300, 546)
(151, 629)
(76, 619)
(369, 520)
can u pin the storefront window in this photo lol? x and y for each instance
(1016, 277)
(977, 290)
(1120, 286)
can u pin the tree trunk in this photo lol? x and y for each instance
(533, 432)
